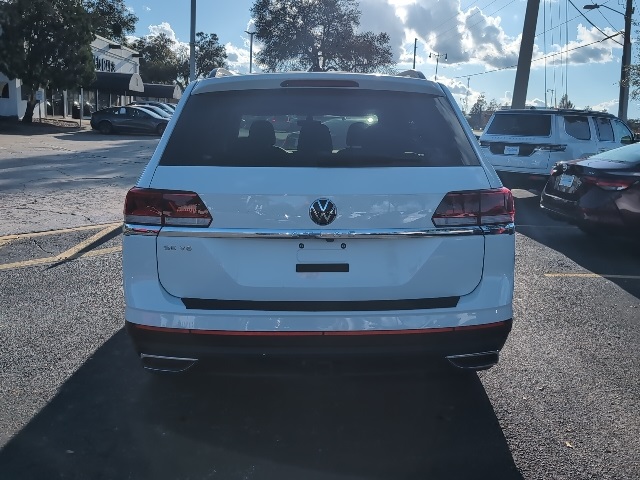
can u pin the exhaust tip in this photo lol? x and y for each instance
(159, 363)
(474, 361)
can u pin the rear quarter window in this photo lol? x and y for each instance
(520, 124)
(577, 126)
(315, 127)
(605, 130)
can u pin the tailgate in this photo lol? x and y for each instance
(260, 245)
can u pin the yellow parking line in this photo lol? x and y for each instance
(71, 253)
(592, 275)
(8, 238)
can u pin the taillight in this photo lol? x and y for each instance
(477, 207)
(148, 206)
(609, 183)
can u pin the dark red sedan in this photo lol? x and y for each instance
(599, 194)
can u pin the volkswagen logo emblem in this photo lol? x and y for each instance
(323, 211)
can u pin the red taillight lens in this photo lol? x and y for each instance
(148, 206)
(609, 183)
(481, 207)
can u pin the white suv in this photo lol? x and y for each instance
(531, 141)
(380, 235)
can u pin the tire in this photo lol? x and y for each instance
(161, 128)
(105, 128)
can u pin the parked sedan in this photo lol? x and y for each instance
(156, 110)
(127, 119)
(600, 194)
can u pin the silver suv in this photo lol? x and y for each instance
(531, 141)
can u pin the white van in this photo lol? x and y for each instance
(531, 141)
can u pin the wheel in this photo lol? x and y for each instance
(161, 128)
(105, 128)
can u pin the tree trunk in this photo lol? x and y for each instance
(28, 113)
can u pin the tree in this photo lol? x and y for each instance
(45, 43)
(318, 35)
(565, 103)
(480, 106)
(209, 55)
(111, 18)
(493, 106)
(476, 112)
(159, 62)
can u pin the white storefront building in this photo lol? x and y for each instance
(117, 83)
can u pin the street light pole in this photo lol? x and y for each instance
(437, 55)
(623, 99)
(192, 44)
(415, 47)
(251, 34)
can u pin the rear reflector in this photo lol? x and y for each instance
(475, 208)
(609, 183)
(148, 206)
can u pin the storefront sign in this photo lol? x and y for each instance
(104, 65)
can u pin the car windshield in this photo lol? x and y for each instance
(627, 154)
(520, 124)
(318, 127)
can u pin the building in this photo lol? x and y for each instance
(117, 82)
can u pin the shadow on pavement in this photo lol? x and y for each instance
(598, 254)
(112, 420)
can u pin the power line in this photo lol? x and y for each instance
(590, 22)
(609, 37)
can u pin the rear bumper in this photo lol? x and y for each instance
(378, 350)
(596, 208)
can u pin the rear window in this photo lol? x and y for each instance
(302, 127)
(521, 125)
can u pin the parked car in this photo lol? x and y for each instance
(150, 108)
(600, 194)
(398, 247)
(127, 119)
(163, 106)
(529, 142)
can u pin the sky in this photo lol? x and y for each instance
(480, 39)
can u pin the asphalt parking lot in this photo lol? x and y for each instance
(74, 403)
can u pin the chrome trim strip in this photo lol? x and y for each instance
(337, 234)
(146, 230)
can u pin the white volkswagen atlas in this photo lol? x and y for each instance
(379, 233)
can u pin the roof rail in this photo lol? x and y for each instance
(412, 74)
(221, 72)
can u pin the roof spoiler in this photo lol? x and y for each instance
(412, 74)
(221, 72)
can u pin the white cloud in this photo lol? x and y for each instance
(238, 58)
(165, 28)
(609, 106)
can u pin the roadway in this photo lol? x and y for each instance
(74, 403)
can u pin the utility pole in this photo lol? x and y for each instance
(415, 47)
(251, 34)
(526, 53)
(437, 55)
(623, 99)
(192, 44)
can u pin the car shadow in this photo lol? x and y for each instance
(618, 258)
(111, 419)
